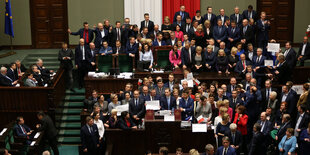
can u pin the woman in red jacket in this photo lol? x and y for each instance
(241, 119)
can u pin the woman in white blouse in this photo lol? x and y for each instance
(145, 58)
(99, 124)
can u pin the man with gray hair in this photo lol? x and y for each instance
(45, 73)
(209, 150)
(283, 70)
(4, 79)
(235, 137)
(236, 16)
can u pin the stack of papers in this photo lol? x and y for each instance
(152, 105)
(185, 124)
(164, 112)
(32, 143)
(160, 71)
(169, 118)
(97, 75)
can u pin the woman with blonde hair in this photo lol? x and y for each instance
(198, 60)
(222, 128)
(232, 59)
(222, 62)
(114, 102)
(208, 29)
(166, 26)
(199, 36)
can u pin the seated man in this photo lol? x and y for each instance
(30, 81)
(5, 80)
(154, 95)
(160, 89)
(186, 105)
(89, 103)
(159, 41)
(44, 71)
(11, 72)
(226, 149)
(167, 102)
(105, 49)
(241, 65)
(37, 75)
(21, 130)
(20, 68)
(119, 49)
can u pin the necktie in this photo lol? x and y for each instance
(249, 15)
(118, 34)
(168, 101)
(225, 151)
(182, 14)
(146, 23)
(23, 129)
(262, 124)
(187, 27)
(233, 30)
(209, 16)
(233, 138)
(237, 18)
(220, 30)
(257, 60)
(244, 30)
(86, 36)
(136, 102)
(243, 64)
(267, 94)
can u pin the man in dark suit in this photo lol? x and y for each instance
(290, 55)
(302, 120)
(186, 105)
(234, 101)
(147, 23)
(241, 65)
(222, 17)
(226, 149)
(283, 71)
(132, 47)
(233, 35)
(160, 88)
(170, 82)
(232, 84)
(20, 68)
(219, 32)
(93, 51)
(86, 33)
(154, 96)
(119, 48)
(82, 61)
(50, 132)
(304, 51)
(11, 72)
(103, 33)
(90, 137)
(45, 73)
(159, 40)
(156, 31)
(250, 52)
(249, 13)
(182, 13)
(220, 95)
(266, 94)
(247, 34)
(210, 16)
(237, 17)
(65, 56)
(262, 36)
(136, 107)
(257, 144)
(209, 150)
(259, 66)
(173, 40)
(145, 93)
(90, 101)
(22, 130)
(4, 79)
(235, 138)
(251, 106)
(179, 22)
(266, 125)
(290, 99)
(187, 56)
(167, 102)
(118, 33)
(188, 27)
(286, 123)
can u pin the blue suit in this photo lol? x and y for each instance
(90, 140)
(291, 101)
(164, 103)
(184, 16)
(131, 49)
(188, 106)
(219, 17)
(245, 14)
(235, 35)
(210, 58)
(230, 151)
(163, 43)
(19, 131)
(138, 109)
(239, 66)
(220, 35)
(81, 34)
(212, 20)
(234, 18)
(107, 51)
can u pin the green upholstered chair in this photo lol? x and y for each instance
(105, 63)
(125, 63)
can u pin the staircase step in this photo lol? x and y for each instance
(44, 55)
(77, 92)
(71, 118)
(71, 111)
(69, 133)
(69, 140)
(75, 98)
(48, 63)
(73, 104)
(70, 125)
(44, 58)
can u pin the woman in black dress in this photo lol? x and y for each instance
(200, 37)
(198, 17)
(222, 62)
(222, 128)
(232, 59)
(208, 29)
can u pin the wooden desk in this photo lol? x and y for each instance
(156, 134)
(114, 85)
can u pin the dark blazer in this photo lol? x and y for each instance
(238, 138)
(234, 18)
(22, 69)
(169, 42)
(145, 97)
(262, 31)
(138, 110)
(185, 57)
(220, 35)
(248, 35)
(4, 81)
(210, 58)
(213, 19)
(150, 26)
(307, 50)
(267, 127)
(304, 121)
(233, 105)
(164, 103)
(188, 106)
(89, 140)
(120, 51)
(18, 131)
(251, 106)
(291, 58)
(132, 49)
(265, 98)
(247, 55)
(48, 127)
(155, 43)
(186, 14)
(182, 25)
(291, 101)
(223, 98)
(239, 67)
(81, 34)
(230, 151)
(11, 74)
(79, 55)
(284, 73)
(234, 35)
(67, 64)
(282, 130)
(124, 36)
(99, 38)
(257, 145)
(219, 17)
(261, 62)
(123, 125)
(246, 15)
(160, 93)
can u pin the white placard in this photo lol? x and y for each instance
(160, 71)
(169, 118)
(273, 47)
(268, 62)
(185, 124)
(122, 108)
(152, 105)
(164, 112)
(189, 76)
(91, 74)
(199, 128)
(32, 143)
(3, 130)
(37, 135)
(298, 89)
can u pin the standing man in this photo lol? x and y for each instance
(219, 32)
(136, 107)
(65, 56)
(90, 137)
(119, 34)
(86, 33)
(290, 55)
(237, 17)
(222, 17)
(210, 16)
(102, 34)
(186, 105)
(249, 13)
(147, 23)
(50, 132)
(304, 51)
(82, 61)
(182, 13)
(257, 145)
(93, 52)
(262, 35)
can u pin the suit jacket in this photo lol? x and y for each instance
(4, 81)
(248, 35)
(123, 125)
(89, 140)
(169, 41)
(188, 106)
(150, 26)
(304, 121)
(291, 58)
(260, 63)
(233, 105)
(22, 69)
(30, 83)
(160, 93)
(123, 39)
(234, 35)
(100, 38)
(18, 131)
(234, 18)
(67, 64)
(81, 34)
(11, 74)
(213, 19)
(284, 73)
(210, 58)
(262, 31)
(223, 98)
(257, 145)
(282, 130)
(251, 106)
(133, 49)
(185, 15)
(238, 138)
(138, 110)
(239, 66)
(220, 35)
(230, 151)
(182, 25)
(307, 50)
(185, 57)
(120, 51)
(164, 103)
(291, 103)
(245, 15)
(267, 127)
(155, 43)
(79, 55)
(219, 17)
(48, 127)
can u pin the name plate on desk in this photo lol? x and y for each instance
(164, 112)
(169, 118)
(199, 127)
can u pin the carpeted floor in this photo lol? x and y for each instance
(68, 150)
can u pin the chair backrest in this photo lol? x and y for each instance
(125, 63)
(161, 55)
(105, 63)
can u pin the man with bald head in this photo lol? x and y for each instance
(266, 125)
(82, 61)
(86, 33)
(241, 65)
(304, 51)
(222, 16)
(182, 13)
(247, 33)
(102, 35)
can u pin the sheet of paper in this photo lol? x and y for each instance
(189, 76)
(298, 89)
(164, 112)
(190, 83)
(268, 63)
(91, 74)
(185, 124)
(199, 128)
(169, 118)
(160, 71)
(3, 130)
(37, 135)
(122, 108)
(273, 47)
(32, 143)
(152, 105)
